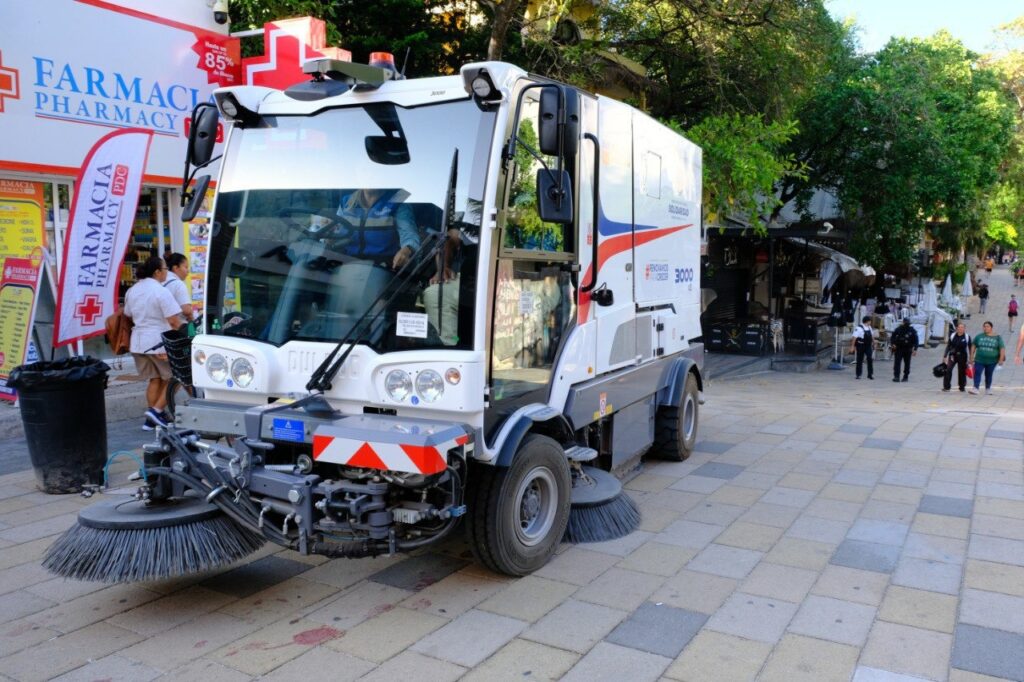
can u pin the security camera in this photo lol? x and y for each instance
(220, 11)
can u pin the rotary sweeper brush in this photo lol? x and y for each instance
(465, 299)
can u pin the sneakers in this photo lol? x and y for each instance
(972, 391)
(896, 380)
(906, 378)
(155, 418)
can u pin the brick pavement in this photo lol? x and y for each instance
(825, 529)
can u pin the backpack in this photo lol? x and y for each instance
(1013, 306)
(119, 332)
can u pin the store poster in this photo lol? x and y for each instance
(21, 218)
(18, 285)
(197, 244)
(22, 240)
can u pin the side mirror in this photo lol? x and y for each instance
(388, 151)
(202, 134)
(195, 198)
(554, 196)
(550, 115)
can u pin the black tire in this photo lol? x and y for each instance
(178, 394)
(517, 515)
(675, 427)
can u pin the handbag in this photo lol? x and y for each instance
(939, 370)
(970, 372)
(119, 332)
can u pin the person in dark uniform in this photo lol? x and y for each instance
(957, 351)
(904, 344)
(863, 342)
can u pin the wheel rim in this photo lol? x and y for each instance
(689, 417)
(535, 505)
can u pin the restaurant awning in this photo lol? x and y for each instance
(845, 262)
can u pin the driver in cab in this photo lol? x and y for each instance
(374, 224)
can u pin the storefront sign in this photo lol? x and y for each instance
(100, 225)
(18, 285)
(77, 64)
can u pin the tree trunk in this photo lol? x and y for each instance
(503, 13)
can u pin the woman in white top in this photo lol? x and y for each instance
(177, 271)
(153, 310)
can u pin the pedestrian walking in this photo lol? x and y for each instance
(177, 273)
(1017, 359)
(863, 343)
(153, 310)
(987, 350)
(904, 343)
(982, 297)
(956, 355)
(1011, 310)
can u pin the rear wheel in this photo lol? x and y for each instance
(675, 427)
(518, 514)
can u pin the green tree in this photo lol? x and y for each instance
(914, 133)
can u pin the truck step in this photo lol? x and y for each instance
(581, 453)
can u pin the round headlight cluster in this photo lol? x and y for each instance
(242, 372)
(217, 367)
(429, 385)
(398, 385)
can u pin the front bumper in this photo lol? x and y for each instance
(388, 443)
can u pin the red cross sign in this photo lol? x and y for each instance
(88, 309)
(8, 84)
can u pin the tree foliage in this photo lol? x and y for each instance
(921, 132)
(913, 133)
(742, 163)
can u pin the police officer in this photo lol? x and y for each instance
(863, 342)
(904, 344)
(957, 350)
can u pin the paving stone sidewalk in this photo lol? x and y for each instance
(825, 529)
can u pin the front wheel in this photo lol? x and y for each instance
(675, 427)
(178, 394)
(518, 514)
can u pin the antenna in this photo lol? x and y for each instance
(405, 62)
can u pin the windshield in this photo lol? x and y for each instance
(322, 218)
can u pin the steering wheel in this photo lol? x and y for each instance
(287, 214)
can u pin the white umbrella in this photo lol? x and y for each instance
(947, 290)
(966, 289)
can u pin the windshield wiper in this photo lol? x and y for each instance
(324, 374)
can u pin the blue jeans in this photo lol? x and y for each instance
(988, 367)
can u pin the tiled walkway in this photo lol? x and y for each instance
(826, 529)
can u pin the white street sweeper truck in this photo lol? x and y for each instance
(467, 299)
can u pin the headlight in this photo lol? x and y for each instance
(398, 385)
(242, 372)
(453, 376)
(199, 357)
(217, 367)
(429, 385)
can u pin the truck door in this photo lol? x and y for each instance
(533, 302)
(616, 320)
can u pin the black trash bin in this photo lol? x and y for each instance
(65, 418)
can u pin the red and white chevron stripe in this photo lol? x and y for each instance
(416, 459)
